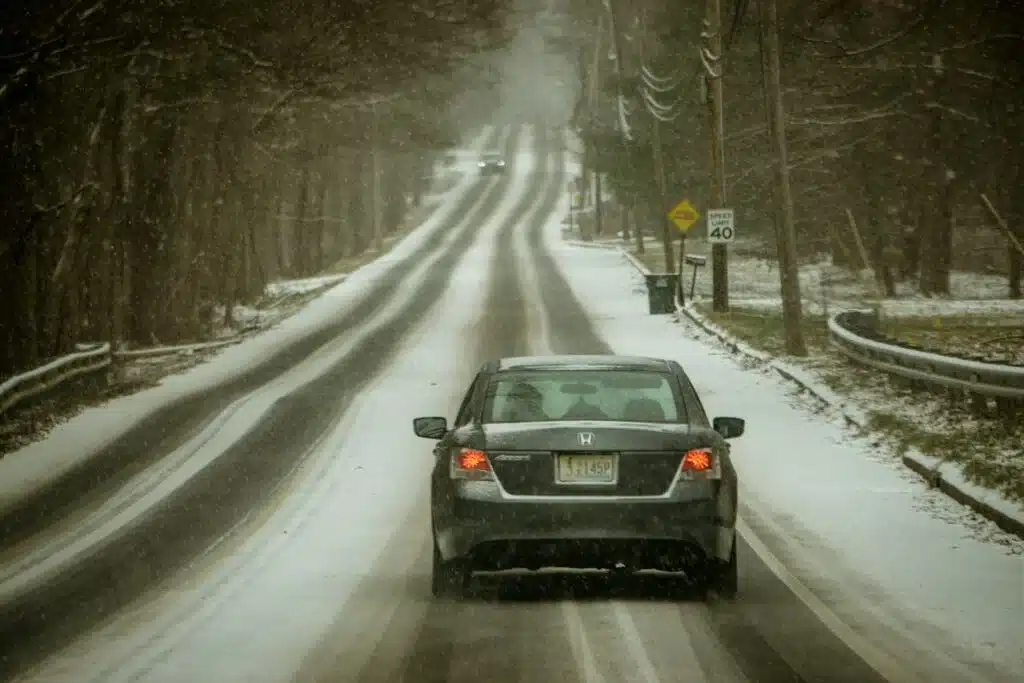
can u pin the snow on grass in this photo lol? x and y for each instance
(985, 453)
(995, 336)
(754, 279)
(989, 452)
(303, 285)
(866, 400)
(867, 535)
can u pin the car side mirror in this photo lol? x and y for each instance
(430, 427)
(729, 427)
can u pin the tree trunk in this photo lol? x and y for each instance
(395, 199)
(300, 226)
(638, 234)
(283, 263)
(147, 321)
(944, 234)
(361, 207)
(318, 227)
(235, 248)
(119, 227)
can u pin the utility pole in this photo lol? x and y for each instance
(593, 182)
(659, 167)
(785, 221)
(614, 32)
(711, 57)
(659, 161)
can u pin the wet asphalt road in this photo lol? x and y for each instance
(590, 627)
(533, 628)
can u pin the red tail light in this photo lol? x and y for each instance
(469, 459)
(469, 463)
(698, 460)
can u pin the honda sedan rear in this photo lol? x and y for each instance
(603, 462)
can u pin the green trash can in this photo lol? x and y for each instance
(661, 292)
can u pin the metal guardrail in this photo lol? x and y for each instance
(92, 359)
(855, 335)
(53, 374)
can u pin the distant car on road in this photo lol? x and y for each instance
(490, 163)
(604, 461)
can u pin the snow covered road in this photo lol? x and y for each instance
(300, 550)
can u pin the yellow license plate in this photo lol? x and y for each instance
(587, 469)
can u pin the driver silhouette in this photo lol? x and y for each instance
(525, 403)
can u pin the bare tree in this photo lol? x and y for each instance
(163, 161)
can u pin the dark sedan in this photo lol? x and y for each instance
(584, 462)
(491, 163)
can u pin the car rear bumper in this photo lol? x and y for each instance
(663, 534)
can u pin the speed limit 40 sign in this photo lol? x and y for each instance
(721, 226)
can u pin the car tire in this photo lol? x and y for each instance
(448, 579)
(723, 577)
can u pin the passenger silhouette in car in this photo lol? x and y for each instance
(582, 410)
(524, 404)
(643, 410)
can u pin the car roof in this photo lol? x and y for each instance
(583, 362)
(492, 153)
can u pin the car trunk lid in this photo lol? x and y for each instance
(588, 459)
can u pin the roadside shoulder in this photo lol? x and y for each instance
(946, 476)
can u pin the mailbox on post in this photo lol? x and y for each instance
(696, 262)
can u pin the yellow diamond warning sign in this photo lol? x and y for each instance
(684, 215)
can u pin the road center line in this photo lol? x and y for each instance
(538, 327)
(582, 653)
(539, 336)
(635, 643)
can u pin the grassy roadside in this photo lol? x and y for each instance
(653, 256)
(998, 337)
(990, 453)
(654, 253)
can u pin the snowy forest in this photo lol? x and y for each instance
(900, 115)
(163, 159)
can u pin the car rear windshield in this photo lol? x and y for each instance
(613, 395)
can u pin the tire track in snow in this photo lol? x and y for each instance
(743, 639)
(340, 655)
(455, 641)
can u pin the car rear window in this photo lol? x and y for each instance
(610, 395)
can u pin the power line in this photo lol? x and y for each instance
(654, 85)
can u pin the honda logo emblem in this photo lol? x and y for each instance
(585, 438)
